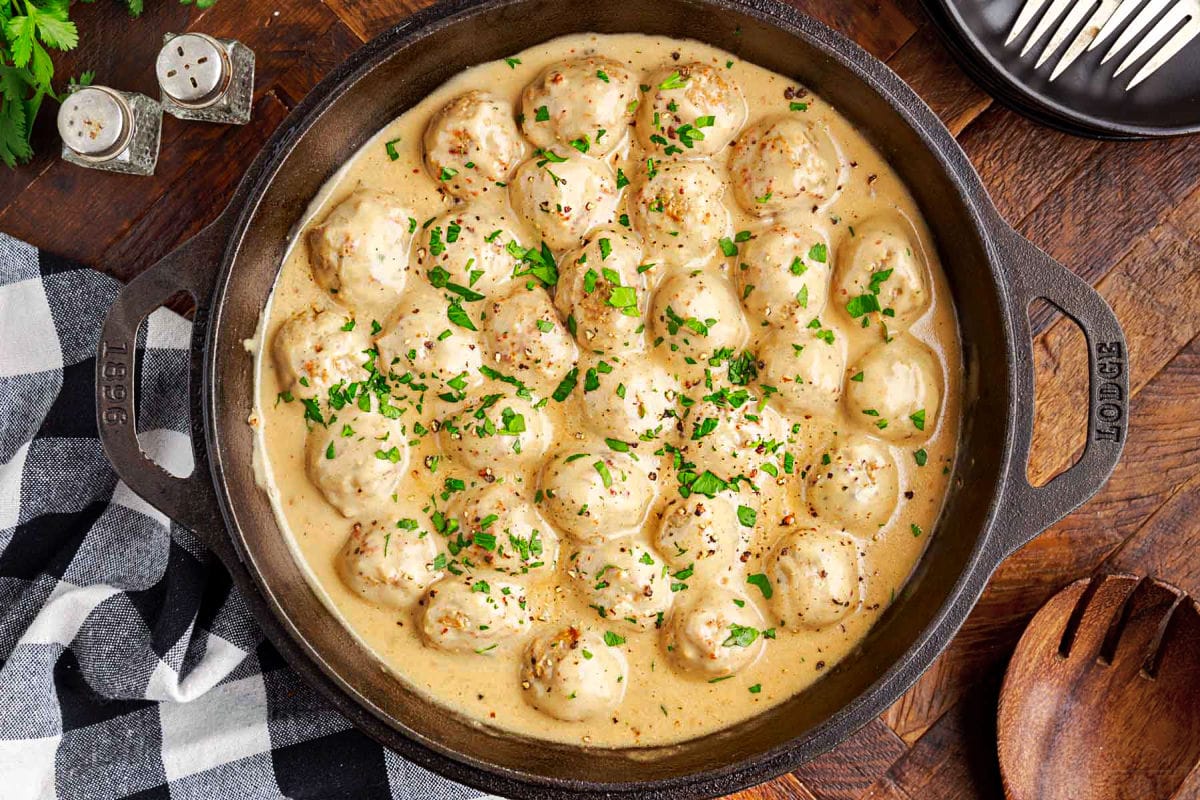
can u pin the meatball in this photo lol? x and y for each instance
(858, 487)
(595, 496)
(728, 440)
(714, 633)
(359, 254)
(483, 612)
(704, 533)
(505, 532)
(692, 111)
(469, 248)
(500, 433)
(601, 294)
(564, 197)
(573, 675)
(357, 461)
(880, 276)
(697, 314)
(783, 274)
(815, 577)
(631, 399)
(314, 351)
(420, 338)
(527, 338)
(806, 370)
(472, 144)
(624, 582)
(677, 208)
(783, 163)
(894, 391)
(586, 102)
(387, 565)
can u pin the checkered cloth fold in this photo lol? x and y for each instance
(129, 665)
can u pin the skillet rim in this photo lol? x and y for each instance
(960, 598)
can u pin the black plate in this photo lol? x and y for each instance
(1085, 99)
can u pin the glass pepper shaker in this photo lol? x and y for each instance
(206, 79)
(105, 129)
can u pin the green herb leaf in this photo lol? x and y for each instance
(762, 582)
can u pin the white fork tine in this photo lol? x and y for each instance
(1028, 12)
(1056, 9)
(1091, 29)
(1070, 22)
(1129, 21)
(1151, 10)
(1173, 45)
(1118, 17)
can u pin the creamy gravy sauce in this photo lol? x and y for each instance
(661, 704)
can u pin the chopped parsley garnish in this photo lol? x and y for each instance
(458, 315)
(622, 181)
(818, 252)
(447, 173)
(755, 689)
(862, 304)
(392, 153)
(673, 81)
(602, 75)
(921, 457)
(312, 410)
(541, 114)
(440, 279)
(393, 455)
(747, 516)
(824, 334)
(708, 484)
(605, 476)
(918, 419)
(794, 106)
(536, 262)
(566, 385)
(762, 582)
(740, 636)
(613, 639)
(916, 529)
(512, 62)
(857, 377)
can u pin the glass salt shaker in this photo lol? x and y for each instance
(206, 79)
(105, 129)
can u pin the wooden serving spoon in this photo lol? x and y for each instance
(1101, 700)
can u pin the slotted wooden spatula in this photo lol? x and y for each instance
(1101, 700)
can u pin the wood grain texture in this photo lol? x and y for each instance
(1098, 702)
(855, 765)
(1126, 216)
(926, 65)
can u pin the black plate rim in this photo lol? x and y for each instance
(983, 67)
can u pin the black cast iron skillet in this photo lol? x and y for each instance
(991, 510)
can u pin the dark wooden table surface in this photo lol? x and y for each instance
(1126, 216)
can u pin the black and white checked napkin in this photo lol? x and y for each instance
(129, 665)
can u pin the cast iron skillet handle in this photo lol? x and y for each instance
(1032, 510)
(191, 268)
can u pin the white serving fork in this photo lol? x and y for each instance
(1106, 20)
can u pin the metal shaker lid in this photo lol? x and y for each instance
(95, 122)
(193, 69)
